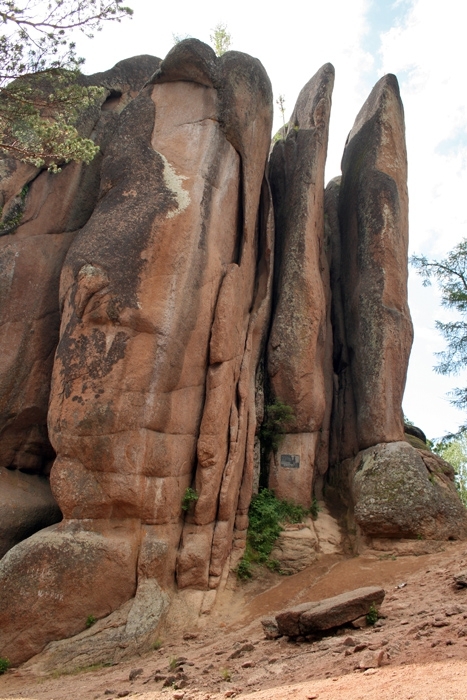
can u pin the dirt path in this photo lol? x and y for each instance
(417, 650)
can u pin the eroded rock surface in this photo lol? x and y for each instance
(373, 215)
(41, 213)
(165, 297)
(299, 360)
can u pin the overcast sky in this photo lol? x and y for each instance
(423, 43)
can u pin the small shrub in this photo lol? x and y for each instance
(266, 515)
(90, 620)
(243, 569)
(190, 496)
(372, 615)
(4, 665)
(157, 644)
(173, 663)
(314, 510)
(277, 418)
(226, 675)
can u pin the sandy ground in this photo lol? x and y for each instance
(418, 649)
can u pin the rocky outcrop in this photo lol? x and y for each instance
(299, 360)
(165, 297)
(41, 213)
(143, 284)
(373, 221)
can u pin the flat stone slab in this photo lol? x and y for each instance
(328, 613)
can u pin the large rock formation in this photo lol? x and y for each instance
(373, 223)
(165, 299)
(299, 362)
(41, 213)
(156, 262)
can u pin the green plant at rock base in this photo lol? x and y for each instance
(90, 620)
(314, 510)
(372, 615)
(226, 675)
(157, 644)
(4, 665)
(266, 516)
(277, 418)
(190, 496)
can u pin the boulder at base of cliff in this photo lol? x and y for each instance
(58, 581)
(401, 492)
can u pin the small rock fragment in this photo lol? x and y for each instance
(134, 673)
(239, 652)
(460, 579)
(371, 660)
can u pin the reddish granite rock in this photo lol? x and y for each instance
(322, 615)
(165, 297)
(41, 212)
(53, 581)
(299, 351)
(373, 216)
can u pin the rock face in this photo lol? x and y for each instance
(299, 545)
(373, 216)
(41, 213)
(310, 618)
(165, 296)
(299, 361)
(142, 287)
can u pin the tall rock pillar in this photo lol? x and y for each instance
(373, 217)
(299, 350)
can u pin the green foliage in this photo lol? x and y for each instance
(173, 663)
(277, 418)
(4, 665)
(90, 621)
(314, 510)
(157, 644)
(372, 615)
(266, 516)
(454, 450)
(226, 675)
(190, 496)
(220, 39)
(450, 275)
(12, 219)
(39, 113)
